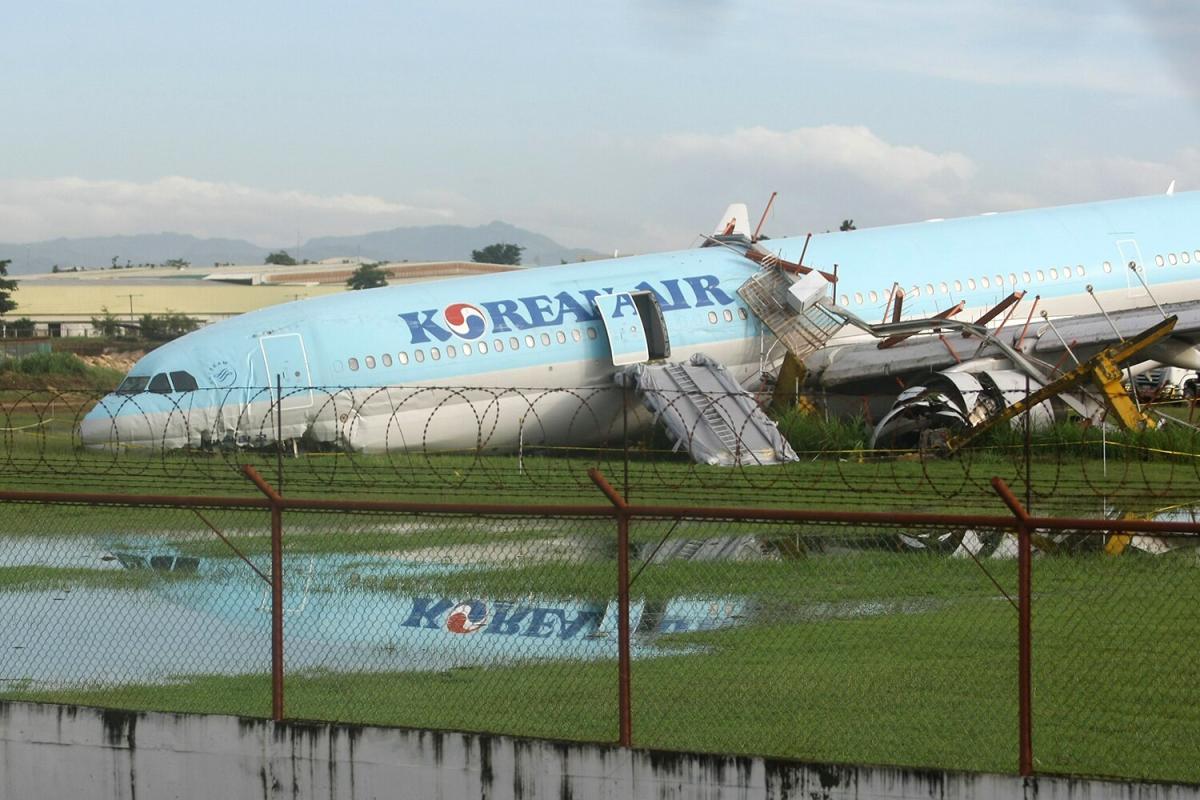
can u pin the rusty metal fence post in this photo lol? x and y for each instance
(1024, 626)
(624, 667)
(276, 501)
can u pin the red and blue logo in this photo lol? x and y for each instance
(465, 320)
(467, 617)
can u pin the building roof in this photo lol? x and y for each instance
(211, 293)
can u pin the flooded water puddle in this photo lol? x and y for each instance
(90, 611)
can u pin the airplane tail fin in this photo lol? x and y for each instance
(735, 220)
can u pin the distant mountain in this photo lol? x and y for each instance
(149, 248)
(431, 243)
(443, 243)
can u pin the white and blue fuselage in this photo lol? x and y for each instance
(491, 361)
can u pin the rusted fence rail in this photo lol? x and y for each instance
(845, 635)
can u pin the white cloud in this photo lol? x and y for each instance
(34, 209)
(850, 149)
(1078, 180)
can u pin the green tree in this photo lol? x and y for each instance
(499, 253)
(368, 276)
(7, 287)
(165, 327)
(108, 325)
(177, 263)
(23, 328)
(847, 225)
(281, 258)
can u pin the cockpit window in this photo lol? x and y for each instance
(184, 382)
(133, 384)
(159, 384)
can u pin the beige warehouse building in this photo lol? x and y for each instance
(64, 303)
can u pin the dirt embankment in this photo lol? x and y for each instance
(120, 361)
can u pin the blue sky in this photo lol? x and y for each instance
(620, 125)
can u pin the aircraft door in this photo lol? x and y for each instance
(285, 356)
(1131, 254)
(637, 331)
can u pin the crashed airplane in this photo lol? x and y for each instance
(970, 311)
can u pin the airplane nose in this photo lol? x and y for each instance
(120, 420)
(98, 428)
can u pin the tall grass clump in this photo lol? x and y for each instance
(811, 433)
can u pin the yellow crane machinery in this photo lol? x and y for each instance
(1104, 372)
(787, 392)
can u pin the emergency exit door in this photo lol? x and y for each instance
(636, 328)
(287, 362)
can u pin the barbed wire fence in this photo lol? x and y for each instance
(472, 442)
(1001, 642)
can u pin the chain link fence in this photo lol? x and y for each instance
(826, 635)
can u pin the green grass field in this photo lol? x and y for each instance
(865, 656)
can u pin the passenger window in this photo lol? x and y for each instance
(530, 341)
(985, 282)
(591, 333)
(545, 338)
(370, 362)
(498, 345)
(435, 354)
(514, 343)
(562, 337)
(483, 348)
(1108, 266)
(1158, 260)
(450, 351)
(576, 335)
(1079, 271)
(387, 359)
(728, 315)
(1041, 276)
(419, 355)
(712, 318)
(742, 311)
(184, 382)
(958, 286)
(402, 358)
(971, 284)
(1053, 274)
(858, 300)
(466, 349)
(160, 384)
(1172, 259)
(1184, 257)
(352, 363)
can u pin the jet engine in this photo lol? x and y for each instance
(951, 401)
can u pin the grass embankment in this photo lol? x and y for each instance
(56, 371)
(868, 658)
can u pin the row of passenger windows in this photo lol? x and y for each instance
(713, 319)
(1038, 276)
(1174, 259)
(466, 349)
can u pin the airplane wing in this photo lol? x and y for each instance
(857, 366)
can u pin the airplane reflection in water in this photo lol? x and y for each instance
(532, 356)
